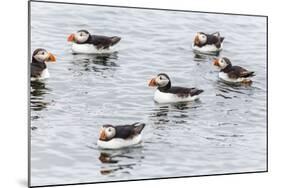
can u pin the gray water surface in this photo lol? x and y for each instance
(223, 132)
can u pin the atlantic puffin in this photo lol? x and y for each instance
(232, 74)
(84, 42)
(207, 43)
(121, 136)
(165, 93)
(38, 66)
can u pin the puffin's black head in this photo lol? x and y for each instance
(218, 36)
(84, 31)
(107, 132)
(41, 55)
(222, 63)
(200, 38)
(80, 36)
(161, 80)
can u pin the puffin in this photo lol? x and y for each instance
(207, 43)
(120, 136)
(166, 93)
(38, 66)
(84, 42)
(232, 74)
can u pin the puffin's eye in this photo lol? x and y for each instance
(109, 130)
(81, 34)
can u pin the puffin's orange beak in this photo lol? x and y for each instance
(152, 83)
(51, 58)
(196, 40)
(216, 62)
(102, 135)
(70, 38)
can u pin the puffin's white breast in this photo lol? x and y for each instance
(89, 49)
(209, 48)
(161, 97)
(117, 143)
(45, 74)
(225, 77)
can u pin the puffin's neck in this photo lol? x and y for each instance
(165, 88)
(38, 63)
(89, 39)
(226, 69)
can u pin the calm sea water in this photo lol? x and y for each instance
(224, 132)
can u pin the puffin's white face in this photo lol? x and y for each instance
(43, 55)
(106, 133)
(200, 38)
(221, 63)
(81, 36)
(161, 81)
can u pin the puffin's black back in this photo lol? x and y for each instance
(128, 131)
(182, 91)
(237, 72)
(211, 39)
(102, 41)
(36, 66)
(37, 69)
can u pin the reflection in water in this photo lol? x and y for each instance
(223, 96)
(106, 158)
(237, 84)
(120, 160)
(185, 105)
(160, 114)
(38, 90)
(96, 62)
(200, 56)
(37, 103)
(233, 90)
